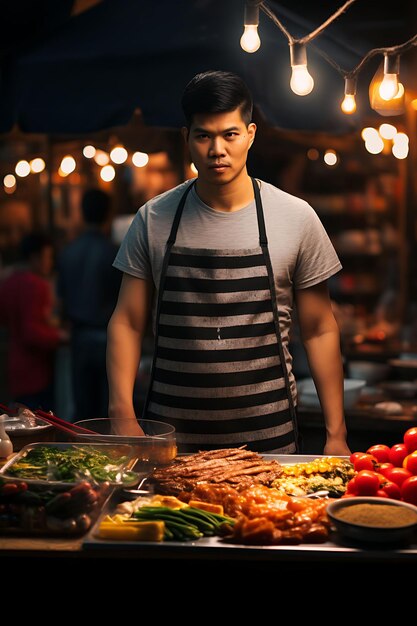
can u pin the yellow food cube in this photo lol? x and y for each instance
(132, 531)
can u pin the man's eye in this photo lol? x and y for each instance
(231, 135)
(201, 136)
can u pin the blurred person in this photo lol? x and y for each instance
(87, 287)
(26, 310)
(221, 260)
(15, 222)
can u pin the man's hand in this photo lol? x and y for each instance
(127, 427)
(336, 447)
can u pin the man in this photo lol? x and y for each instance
(88, 286)
(26, 304)
(222, 258)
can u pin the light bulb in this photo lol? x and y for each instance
(348, 105)
(107, 173)
(387, 131)
(22, 168)
(250, 41)
(389, 87)
(68, 164)
(118, 154)
(301, 82)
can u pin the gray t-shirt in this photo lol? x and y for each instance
(300, 249)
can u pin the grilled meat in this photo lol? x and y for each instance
(236, 467)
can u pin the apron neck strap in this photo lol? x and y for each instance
(173, 234)
(260, 214)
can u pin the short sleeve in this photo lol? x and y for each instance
(317, 259)
(133, 254)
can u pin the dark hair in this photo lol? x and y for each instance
(34, 243)
(216, 92)
(95, 206)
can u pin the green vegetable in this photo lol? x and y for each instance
(183, 524)
(71, 464)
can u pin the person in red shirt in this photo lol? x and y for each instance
(26, 303)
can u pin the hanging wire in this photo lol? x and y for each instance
(391, 50)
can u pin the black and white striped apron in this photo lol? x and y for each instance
(218, 373)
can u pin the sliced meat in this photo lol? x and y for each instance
(234, 466)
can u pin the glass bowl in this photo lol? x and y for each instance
(155, 448)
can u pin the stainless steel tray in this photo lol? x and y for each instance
(122, 449)
(215, 547)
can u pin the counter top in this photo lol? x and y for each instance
(335, 550)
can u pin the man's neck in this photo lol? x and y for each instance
(231, 197)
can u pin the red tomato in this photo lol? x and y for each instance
(354, 456)
(392, 490)
(366, 483)
(351, 487)
(410, 463)
(397, 454)
(385, 467)
(365, 462)
(398, 475)
(410, 439)
(380, 452)
(381, 494)
(409, 490)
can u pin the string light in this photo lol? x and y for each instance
(22, 169)
(101, 157)
(118, 155)
(140, 159)
(37, 165)
(330, 158)
(348, 105)
(387, 131)
(89, 152)
(107, 173)
(389, 86)
(250, 41)
(68, 165)
(376, 141)
(302, 83)
(9, 181)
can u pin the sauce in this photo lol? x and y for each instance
(377, 515)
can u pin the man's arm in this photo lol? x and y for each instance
(125, 333)
(321, 339)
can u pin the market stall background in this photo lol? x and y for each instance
(112, 72)
(82, 65)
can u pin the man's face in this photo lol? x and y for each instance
(219, 144)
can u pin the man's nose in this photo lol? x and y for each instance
(216, 146)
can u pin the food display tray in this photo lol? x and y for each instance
(123, 449)
(218, 548)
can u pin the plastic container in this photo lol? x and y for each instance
(156, 447)
(117, 472)
(38, 508)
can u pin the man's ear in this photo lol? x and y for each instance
(185, 133)
(251, 133)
